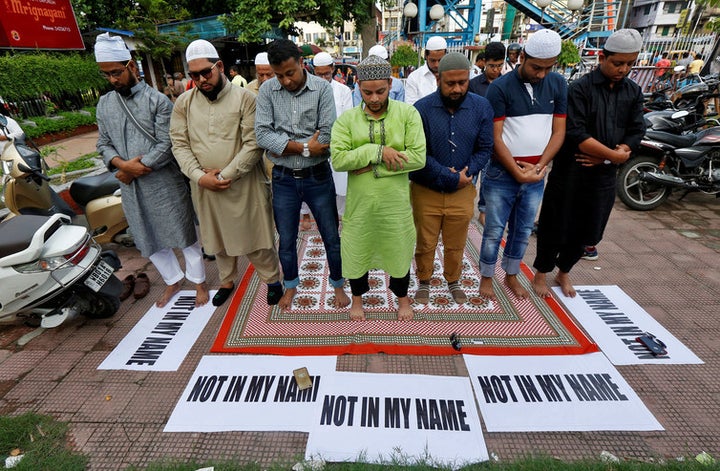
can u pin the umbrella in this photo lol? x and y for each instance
(309, 49)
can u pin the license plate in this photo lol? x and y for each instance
(99, 276)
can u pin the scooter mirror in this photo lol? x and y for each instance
(679, 68)
(679, 114)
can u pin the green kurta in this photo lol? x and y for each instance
(378, 230)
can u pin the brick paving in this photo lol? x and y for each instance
(666, 260)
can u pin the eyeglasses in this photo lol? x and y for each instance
(206, 73)
(115, 73)
(493, 66)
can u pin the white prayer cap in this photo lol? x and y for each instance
(624, 41)
(436, 43)
(322, 58)
(111, 49)
(378, 50)
(545, 44)
(201, 49)
(262, 59)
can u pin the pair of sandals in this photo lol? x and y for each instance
(135, 286)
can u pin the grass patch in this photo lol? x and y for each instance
(84, 162)
(42, 440)
(541, 463)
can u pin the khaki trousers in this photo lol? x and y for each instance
(265, 261)
(438, 213)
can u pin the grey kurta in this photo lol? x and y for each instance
(157, 205)
(220, 134)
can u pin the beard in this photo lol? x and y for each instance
(452, 103)
(126, 90)
(213, 93)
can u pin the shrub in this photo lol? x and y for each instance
(70, 120)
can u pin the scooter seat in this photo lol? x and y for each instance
(85, 189)
(16, 233)
(674, 140)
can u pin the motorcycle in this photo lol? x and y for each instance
(52, 270)
(27, 191)
(670, 160)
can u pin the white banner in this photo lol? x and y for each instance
(614, 321)
(555, 393)
(385, 418)
(161, 340)
(250, 393)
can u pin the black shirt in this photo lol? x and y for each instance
(611, 115)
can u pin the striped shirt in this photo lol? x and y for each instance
(282, 116)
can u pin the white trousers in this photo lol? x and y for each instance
(167, 264)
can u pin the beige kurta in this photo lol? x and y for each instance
(220, 134)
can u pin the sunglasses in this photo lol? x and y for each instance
(115, 73)
(206, 73)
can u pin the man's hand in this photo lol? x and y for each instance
(316, 148)
(210, 181)
(135, 167)
(529, 173)
(588, 160)
(393, 160)
(124, 177)
(465, 180)
(360, 171)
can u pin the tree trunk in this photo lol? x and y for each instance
(368, 33)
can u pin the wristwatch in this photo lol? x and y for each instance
(306, 150)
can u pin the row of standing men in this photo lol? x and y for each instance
(216, 135)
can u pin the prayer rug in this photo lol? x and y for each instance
(505, 326)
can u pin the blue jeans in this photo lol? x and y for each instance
(512, 203)
(318, 191)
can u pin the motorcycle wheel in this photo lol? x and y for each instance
(99, 306)
(635, 193)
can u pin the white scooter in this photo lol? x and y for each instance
(51, 270)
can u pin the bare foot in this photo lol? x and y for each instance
(168, 294)
(306, 224)
(356, 310)
(563, 280)
(540, 286)
(287, 299)
(486, 288)
(511, 281)
(341, 299)
(202, 295)
(405, 310)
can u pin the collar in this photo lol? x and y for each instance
(382, 116)
(597, 78)
(312, 83)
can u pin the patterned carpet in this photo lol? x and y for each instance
(506, 326)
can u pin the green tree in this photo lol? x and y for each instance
(144, 20)
(404, 56)
(253, 19)
(569, 54)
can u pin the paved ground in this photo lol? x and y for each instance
(667, 260)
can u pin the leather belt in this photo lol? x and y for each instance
(299, 173)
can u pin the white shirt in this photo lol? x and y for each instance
(420, 83)
(475, 71)
(343, 97)
(13, 131)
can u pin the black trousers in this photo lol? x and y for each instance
(575, 210)
(399, 286)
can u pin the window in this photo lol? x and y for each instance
(347, 35)
(316, 36)
(647, 10)
(665, 31)
(393, 24)
(308, 38)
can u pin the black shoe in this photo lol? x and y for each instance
(206, 256)
(274, 293)
(222, 295)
